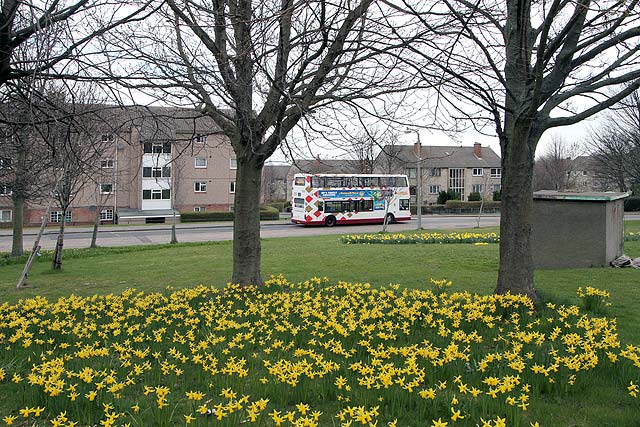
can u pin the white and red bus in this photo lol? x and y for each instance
(325, 199)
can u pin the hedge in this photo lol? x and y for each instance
(632, 204)
(266, 213)
(458, 204)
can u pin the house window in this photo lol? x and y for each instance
(456, 181)
(476, 172)
(585, 173)
(200, 139)
(200, 187)
(477, 188)
(200, 209)
(5, 190)
(107, 163)
(106, 215)
(434, 189)
(5, 216)
(435, 171)
(496, 172)
(56, 216)
(106, 188)
(156, 194)
(156, 148)
(233, 164)
(156, 172)
(5, 162)
(496, 188)
(411, 172)
(201, 162)
(108, 137)
(232, 187)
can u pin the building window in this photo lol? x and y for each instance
(411, 172)
(456, 181)
(107, 163)
(435, 171)
(496, 172)
(56, 216)
(5, 162)
(477, 188)
(233, 164)
(156, 148)
(476, 172)
(201, 162)
(232, 187)
(106, 188)
(200, 139)
(496, 188)
(199, 209)
(108, 137)
(585, 173)
(106, 215)
(434, 189)
(156, 194)
(200, 187)
(156, 172)
(5, 190)
(5, 216)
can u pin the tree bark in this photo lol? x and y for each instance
(515, 274)
(17, 245)
(56, 263)
(246, 225)
(94, 235)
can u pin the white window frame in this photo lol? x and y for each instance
(108, 137)
(206, 162)
(2, 212)
(233, 164)
(436, 187)
(105, 183)
(5, 190)
(232, 187)
(199, 208)
(200, 139)
(496, 187)
(496, 172)
(477, 172)
(412, 173)
(200, 187)
(478, 187)
(56, 216)
(435, 171)
(106, 215)
(5, 162)
(107, 163)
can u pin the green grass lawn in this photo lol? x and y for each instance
(469, 267)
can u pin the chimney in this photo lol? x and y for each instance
(477, 150)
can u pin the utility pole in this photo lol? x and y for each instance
(417, 151)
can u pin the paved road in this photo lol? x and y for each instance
(80, 237)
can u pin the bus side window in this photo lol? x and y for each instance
(317, 182)
(375, 182)
(346, 206)
(299, 180)
(366, 205)
(365, 181)
(298, 202)
(320, 206)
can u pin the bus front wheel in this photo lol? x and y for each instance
(330, 221)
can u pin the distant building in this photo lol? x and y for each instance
(460, 169)
(156, 160)
(318, 165)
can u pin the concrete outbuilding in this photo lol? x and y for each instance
(577, 230)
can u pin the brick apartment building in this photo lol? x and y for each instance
(153, 160)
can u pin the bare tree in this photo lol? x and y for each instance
(555, 169)
(257, 69)
(615, 144)
(524, 67)
(363, 150)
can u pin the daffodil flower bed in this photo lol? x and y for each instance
(402, 238)
(309, 354)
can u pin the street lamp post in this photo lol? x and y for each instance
(419, 176)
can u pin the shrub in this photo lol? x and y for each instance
(497, 196)
(632, 204)
(266, 213)
(474, 197)
(443, 196)
(458, 204)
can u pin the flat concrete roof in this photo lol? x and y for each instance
(575, 196)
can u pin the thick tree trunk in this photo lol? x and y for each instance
(56, 263)
(246, 226)
(515, 273)
(17, 245)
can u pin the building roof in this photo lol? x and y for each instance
(323, 166)
(276, 172)
(437, 156)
